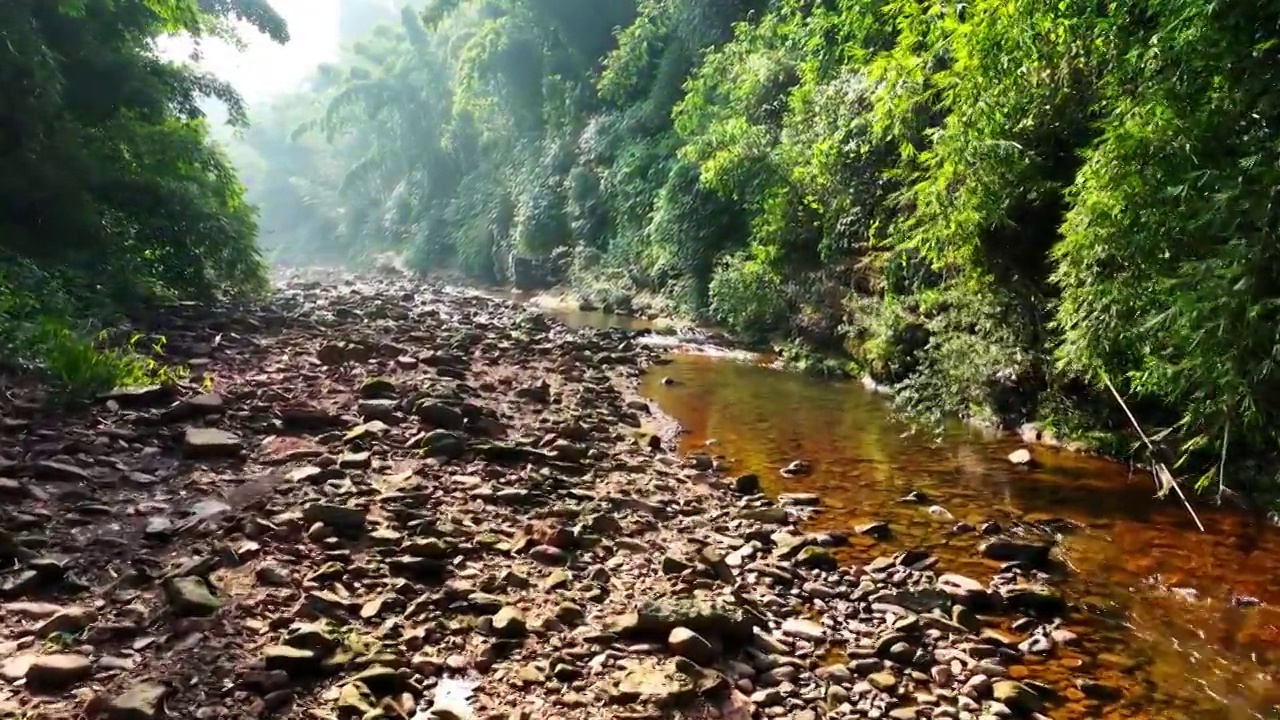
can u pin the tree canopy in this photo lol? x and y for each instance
(110, 193)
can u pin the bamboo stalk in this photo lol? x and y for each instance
(1164, 479)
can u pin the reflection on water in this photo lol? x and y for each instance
(1174, 657)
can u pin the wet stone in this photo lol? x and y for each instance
(1034, 554)
(816, 557)
(747, 484)
(1016, 696)
(875, 530)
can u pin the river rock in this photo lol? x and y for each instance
(440, 416)
(190, 596)
(210, 443)
(443, 444)
(814, 556)
(54, 672)
(1016, 696)
(69, 620)
(204, 404)
(1021, 457)
(798, 468)
(804, 629)
(727, 623)
(747, 484)
(876, 530)
(963, 590)
(1004, 550)
(509, 622)
(294, 661)
(143, 701)
(662, 684)
(1033, 598)
(883, 681)
(689, 644)
(800, 499)
(378, 388)
(60, 472)
(338, 517)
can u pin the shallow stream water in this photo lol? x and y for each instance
(1151, 593)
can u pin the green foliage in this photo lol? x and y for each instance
(747, 293)
(38, 334)
(111, 194)
(996, 207)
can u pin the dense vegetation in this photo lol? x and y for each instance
(1002, 208)
(111, 196)
(1006, 209)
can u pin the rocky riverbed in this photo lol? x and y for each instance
(378, 499)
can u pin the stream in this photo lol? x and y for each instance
(1152, 595)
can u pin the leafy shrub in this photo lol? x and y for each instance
(747, 295)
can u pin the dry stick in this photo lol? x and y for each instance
(1158, 470)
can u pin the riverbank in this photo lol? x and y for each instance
(796, 356)
(373, 490)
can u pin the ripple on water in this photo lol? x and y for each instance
(1173, 656)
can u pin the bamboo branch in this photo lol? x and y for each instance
(1222, 464)
(1164, 479)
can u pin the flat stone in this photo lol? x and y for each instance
(660, 685)
(964, 590)
(1021, 456)
(143, 701)
(378, 388)
(54, 672)
(69, 620)
(15, 668)
(804, 629)
(816, 557)
(294, 661)
(57, 471)
(720, 621)
(877, 530)
(338, 517)
(12, 489)
(205, 403)
(1004, 550)
(31, 610)
(443, 444)
(209, 443)
(800, 499)
(366, 431)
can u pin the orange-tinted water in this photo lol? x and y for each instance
(1172, 657)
